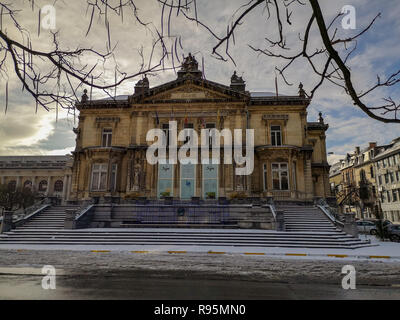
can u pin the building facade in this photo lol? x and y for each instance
(48, 176)
(387, 168)
(110, 157)
(367, 179)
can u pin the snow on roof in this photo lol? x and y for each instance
(119, 98)
(263, 94)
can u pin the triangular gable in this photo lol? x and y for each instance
(190, 89)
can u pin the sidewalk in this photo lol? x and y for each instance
(384, 251)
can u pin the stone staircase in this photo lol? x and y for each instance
(184, 237)
(306, 228)
(51, 218)
(300, 218)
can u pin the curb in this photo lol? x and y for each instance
(289, 254)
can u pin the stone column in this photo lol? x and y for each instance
(34, 183)
(65, 186)
(308, 181)
(48, 186)
(139, 125)
(69, 185)
(18, 182)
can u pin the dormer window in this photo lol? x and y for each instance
(276, 135)
(106, 137)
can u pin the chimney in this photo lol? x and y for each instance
(142, 86)
(372, 145)
(357, 150)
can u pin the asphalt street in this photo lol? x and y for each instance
(148, 286)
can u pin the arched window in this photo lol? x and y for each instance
(12, 185)
(28, 184)
(42, 186)
(58, 186)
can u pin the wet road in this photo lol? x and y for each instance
(140, 286)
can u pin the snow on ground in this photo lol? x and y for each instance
(383, 249)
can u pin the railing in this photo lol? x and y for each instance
(327, 210)
(23, 213)
(272, 208)
(29, 216)
(84, 216)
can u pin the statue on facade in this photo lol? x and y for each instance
(190, 63)
(85, 97)
(320, 120)
(302, 92)
(236, 79)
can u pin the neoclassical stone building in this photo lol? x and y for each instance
(48, 176)
(110, 156)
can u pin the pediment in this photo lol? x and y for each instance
(189, 91)
(192, 90)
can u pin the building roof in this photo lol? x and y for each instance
(190, 73)
(10, 162)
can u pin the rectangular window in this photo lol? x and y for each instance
(371, 171)
(210, 126)
(276, 136)
(210, 181)
(106, 137)
(397, 176)
(165, 128)
(188, 180)
(380, 180)
(394, 193)
(386, 178)
(391, 177)
(265, 177)
(99, 177)
(294, 176)
(165, 180)
(280, 176)
(388, 196)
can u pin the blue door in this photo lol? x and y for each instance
(188, 180)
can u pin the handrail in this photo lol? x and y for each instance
(37, 211)
(327, 213)
(330, 216)
(27, 217)
(83, 212)
(272, 208)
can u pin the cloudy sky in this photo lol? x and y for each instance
(25, 132)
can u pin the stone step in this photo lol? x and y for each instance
(238, 233)
(116, 235)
